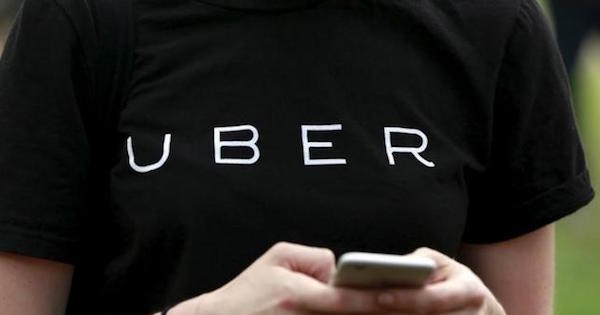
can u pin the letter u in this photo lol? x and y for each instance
(150, 167)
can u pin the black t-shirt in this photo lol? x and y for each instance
(356, 125)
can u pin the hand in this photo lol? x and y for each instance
(288, 279)
(453, 290)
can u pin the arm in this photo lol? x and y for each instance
(33, 286)
(520, 272)
(514, 277)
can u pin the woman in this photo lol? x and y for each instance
(380, 126)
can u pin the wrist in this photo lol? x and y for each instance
(200, 305)
(492, 306)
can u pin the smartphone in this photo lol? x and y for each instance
(372, 270)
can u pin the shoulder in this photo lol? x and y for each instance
(531, 17)
(493, 27)
(480, 13)
(509, 16)
(41, 29)
(480, 29)
(54, 8)
(59, 12)
(491, 19)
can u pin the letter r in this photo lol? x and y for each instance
(415, 151)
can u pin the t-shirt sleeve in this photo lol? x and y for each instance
(536, 172)
(44, 152)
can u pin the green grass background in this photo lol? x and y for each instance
(578, 236)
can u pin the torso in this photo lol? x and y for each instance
(192, 220)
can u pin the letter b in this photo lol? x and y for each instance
(247, 143)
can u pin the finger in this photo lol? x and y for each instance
(472, 311)
(300, 312)
(316, 262)
(318, 297)
(446, 296)
(444, 263)
(439, 258)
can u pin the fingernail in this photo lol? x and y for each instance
(386, 299)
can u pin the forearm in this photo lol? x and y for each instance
(519, 272)
(33, 286)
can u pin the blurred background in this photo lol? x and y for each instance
(578, 236)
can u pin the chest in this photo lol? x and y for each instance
(296, 127)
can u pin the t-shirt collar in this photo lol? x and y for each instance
(262, 5)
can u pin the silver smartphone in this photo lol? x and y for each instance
(371, 270)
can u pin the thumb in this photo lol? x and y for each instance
(317, 262)
(443, 263)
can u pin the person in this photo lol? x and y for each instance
(262, 138)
